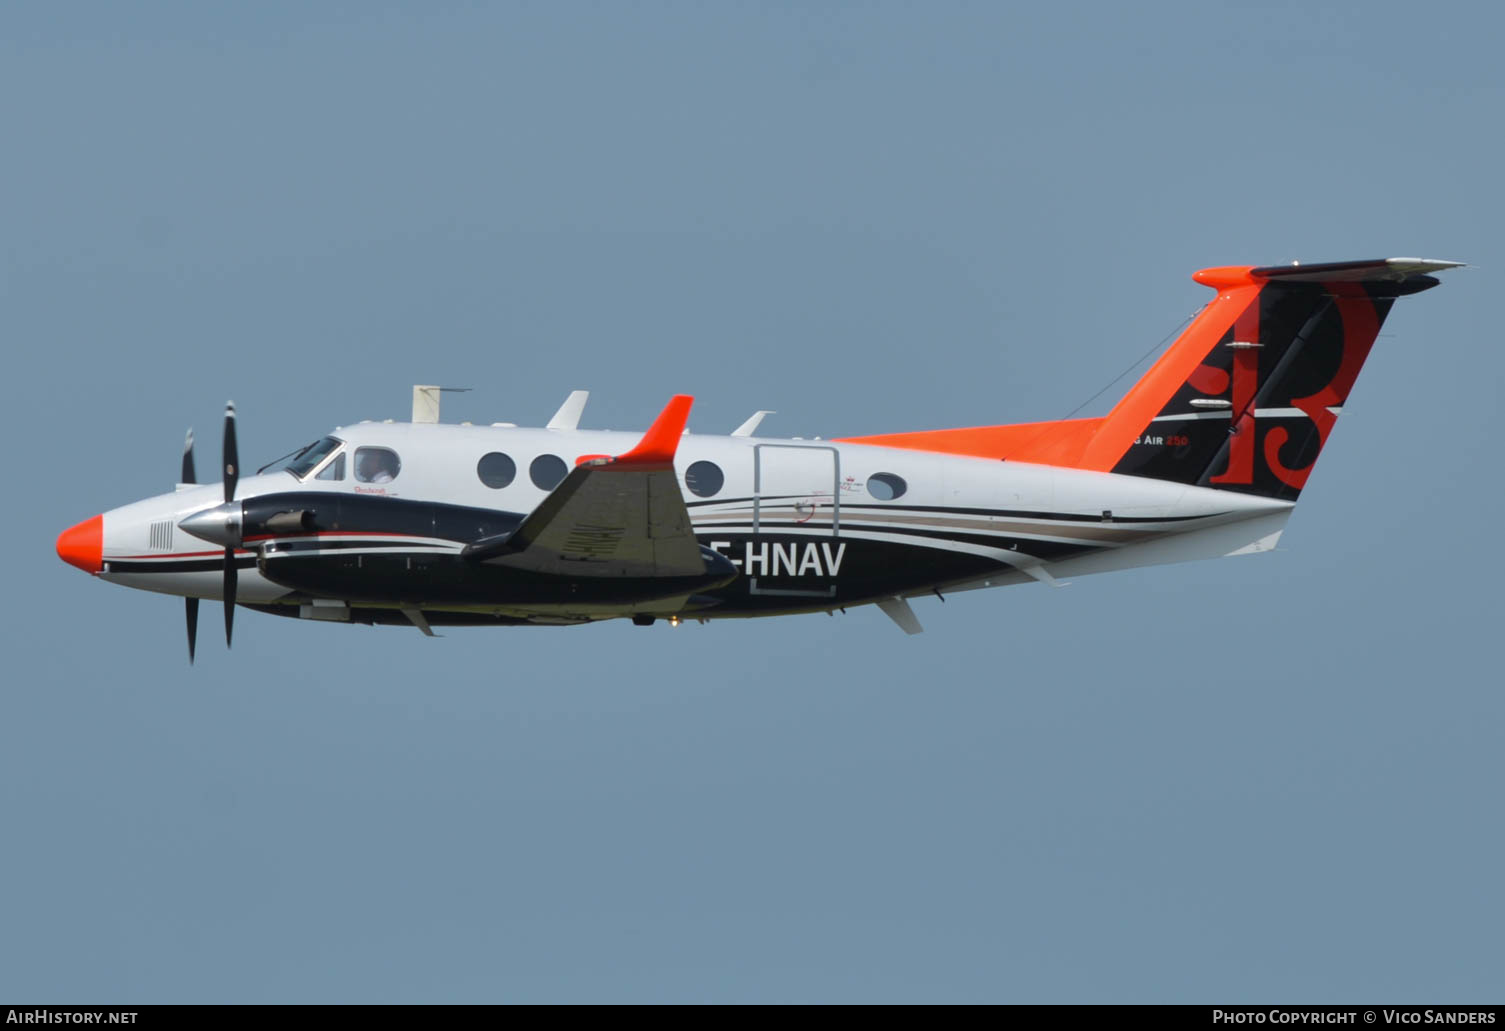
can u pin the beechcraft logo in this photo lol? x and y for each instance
(1334, 348)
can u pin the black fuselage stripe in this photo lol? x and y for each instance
(1030, 546)
(192, 565)
(1000, 513)
(301, 546)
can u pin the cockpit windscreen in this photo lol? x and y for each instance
(305, 460)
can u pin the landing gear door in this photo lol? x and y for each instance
(796, 485)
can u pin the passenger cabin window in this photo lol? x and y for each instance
(334, 470)
(376, 465)
(496, 470)
(704, 479)
(886, 486)
(547, 471)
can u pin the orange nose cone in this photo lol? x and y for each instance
(83, 545)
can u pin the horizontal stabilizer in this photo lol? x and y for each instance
(1373, 271)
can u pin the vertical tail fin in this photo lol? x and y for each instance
(1261, 386)
(1245, 397)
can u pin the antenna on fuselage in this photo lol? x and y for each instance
(568, 416)
(426, 401)
(747, 428)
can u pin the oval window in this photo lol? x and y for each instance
(496, 470)
(547, 471)
(704, 479)
(886, 486)
(376, 465)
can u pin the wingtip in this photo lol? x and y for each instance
(1427, 264)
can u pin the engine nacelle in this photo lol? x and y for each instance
(391, 551)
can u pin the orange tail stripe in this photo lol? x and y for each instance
(1147, 397)
(1099, 443)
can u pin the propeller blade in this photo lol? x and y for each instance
(191, 607)
(232, 456)
(188, 474)
(229, 593)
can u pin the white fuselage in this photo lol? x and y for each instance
(784, 513)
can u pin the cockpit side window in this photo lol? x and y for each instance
(305, 460)
(334, 470)
(376, 465)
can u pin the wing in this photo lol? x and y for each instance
(611, 517)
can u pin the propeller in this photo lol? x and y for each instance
(219, 525)
(232, 477)
(190, 605)
(191, 609)
(187, 475)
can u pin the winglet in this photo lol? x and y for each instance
(662, 439)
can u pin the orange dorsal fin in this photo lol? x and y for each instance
(1099, 443)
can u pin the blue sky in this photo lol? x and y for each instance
(1258, 779)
